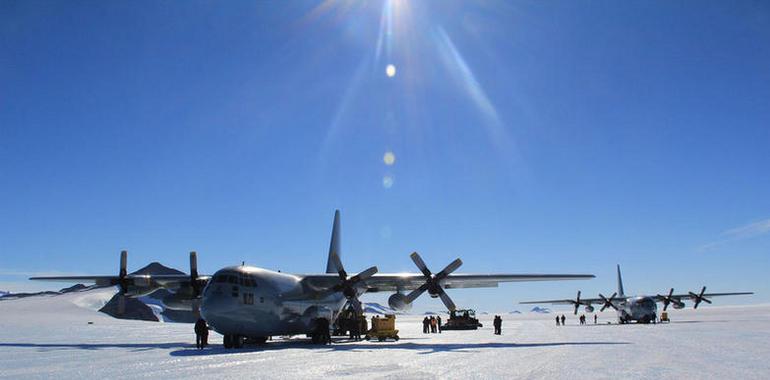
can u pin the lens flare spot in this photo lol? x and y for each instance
(390, 71)
(389, 158)
(387, 181)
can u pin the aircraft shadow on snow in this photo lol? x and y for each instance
(424, 348)
(187, 349)
(95, 346)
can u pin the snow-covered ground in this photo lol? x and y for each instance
(50, 337)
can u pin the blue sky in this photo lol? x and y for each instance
(536, 136)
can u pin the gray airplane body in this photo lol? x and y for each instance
(246, 302)
(642, 309)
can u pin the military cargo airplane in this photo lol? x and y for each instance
(642, 309)
(250, 303)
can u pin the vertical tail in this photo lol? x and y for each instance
(333, 262)
(620, 283)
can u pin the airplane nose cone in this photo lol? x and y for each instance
(217, 310)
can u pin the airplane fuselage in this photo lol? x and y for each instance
(640, 309)
(255, 302)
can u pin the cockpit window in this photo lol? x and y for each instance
(241, 279)
(247, 281)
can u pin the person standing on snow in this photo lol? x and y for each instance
(201, 333)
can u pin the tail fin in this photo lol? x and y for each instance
(332, 263)
(620, 283)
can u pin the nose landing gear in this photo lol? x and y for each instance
(232, 341)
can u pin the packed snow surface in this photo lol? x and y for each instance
(50, 337)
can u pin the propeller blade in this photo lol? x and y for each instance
(121, 304)
(449, 269)
(196, 307)
(366, 274)
(608, 302)
(356, 305)
(667, 300)
(122, 281)
(196, 286)
(417, 292)
(577, 302)
(696, 298)
(193, 264)
(447, 301)
(335, 258)
(420, 264)
(123, 264)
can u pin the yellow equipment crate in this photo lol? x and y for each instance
(383, 328)
(664, 317)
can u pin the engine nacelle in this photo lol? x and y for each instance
(176, 301)
(589, 309)
(679, 306)
(398, 302)
(140, 291)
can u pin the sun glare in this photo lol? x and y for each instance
(390, 71)
(389, 158)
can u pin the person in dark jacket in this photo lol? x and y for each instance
(323, 331)
(557, 321)
(563, 319)
(438, 324)
(596, 317)
(425, 325)
(354, 327)
(201, 333)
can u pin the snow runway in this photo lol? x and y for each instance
(44, 337)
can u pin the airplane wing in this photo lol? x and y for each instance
(583, 301)
(412, 281)
(191, 283)
(705, 295)
(167, 281)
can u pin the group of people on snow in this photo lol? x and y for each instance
(561, 320)
(498, 324)
(431, 325)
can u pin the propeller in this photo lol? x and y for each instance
(123, 283)
(433, 282)
(608, 302)
(699, 298)
(670, 300)
(195, 283)
(576, 302)
(348, 286)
